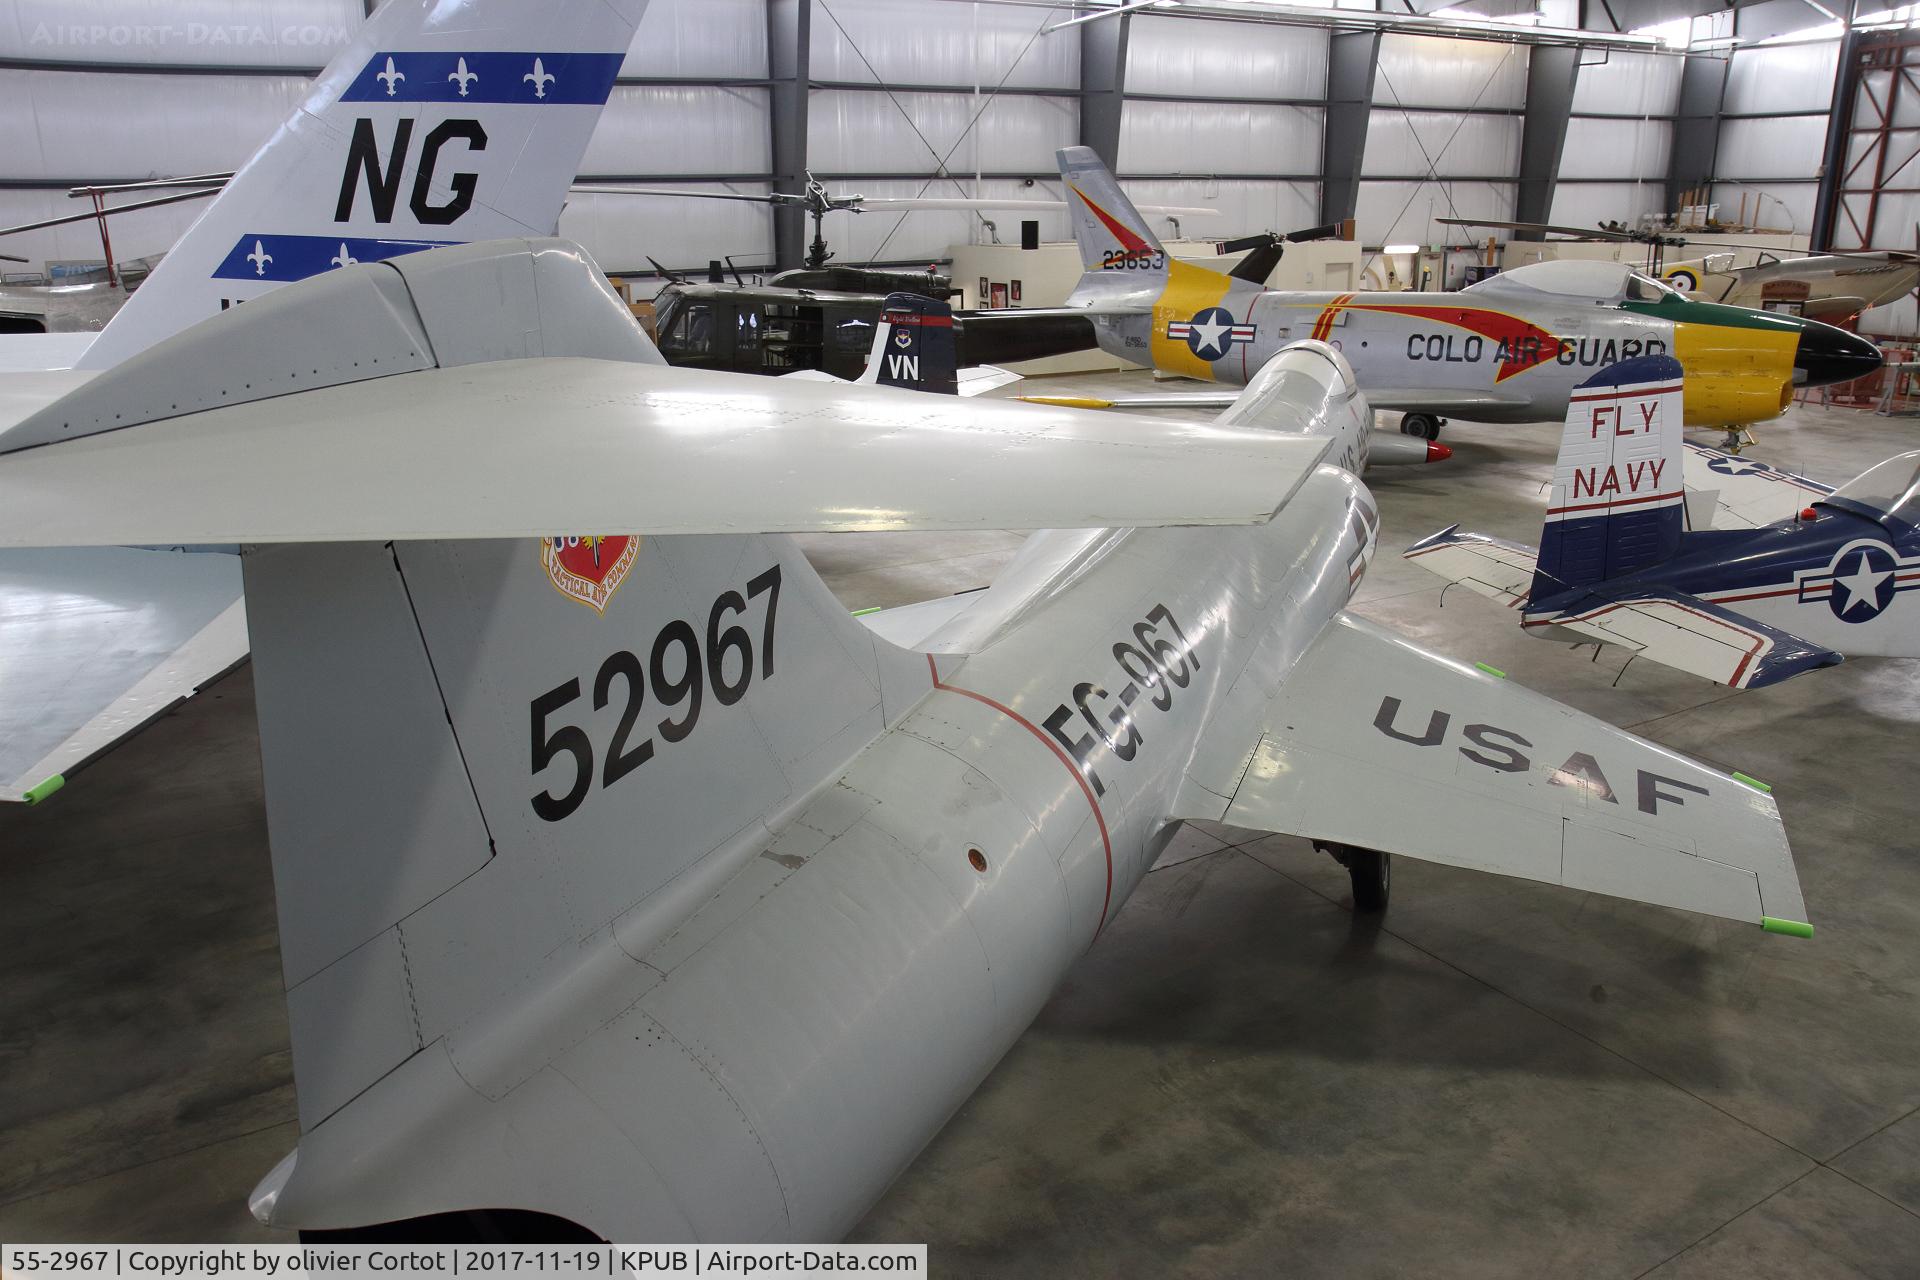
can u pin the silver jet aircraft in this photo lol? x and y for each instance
(624, 877)
(1509, 349)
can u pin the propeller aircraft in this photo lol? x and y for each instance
(1745, 607)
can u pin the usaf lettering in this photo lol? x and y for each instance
(1500, 749)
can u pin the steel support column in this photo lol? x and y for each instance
(789, 33)
(1552, 71)
(1351, 59)
(1696, 127)
(1103, 85)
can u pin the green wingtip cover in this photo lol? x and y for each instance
(1792, 928)
(35, 795)
(1755, 783)
(1492, 671)
(861, 613)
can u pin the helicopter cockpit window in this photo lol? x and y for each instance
(693, 329)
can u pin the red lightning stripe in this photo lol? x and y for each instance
(1114, 226)
(1494, 325)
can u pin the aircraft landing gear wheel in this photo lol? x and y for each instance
(1424, 425)
(1371, 872)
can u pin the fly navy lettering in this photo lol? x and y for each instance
(1155, 665)
(1504, 751)
(1525, 352)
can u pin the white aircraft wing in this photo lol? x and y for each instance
(534, 447)
(1374, 742)
(94, 642)
(1696, 636)
(1492, 567)
(40, 352)
(1747, 493)
(1439, 400)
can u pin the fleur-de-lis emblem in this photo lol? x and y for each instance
(539, 78)
(259, 258)
(391, 77)
(463, 77)
(343, 258)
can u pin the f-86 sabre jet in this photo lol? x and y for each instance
(689, 906)
(1509, 349)
(1743, 607)
(429, 128)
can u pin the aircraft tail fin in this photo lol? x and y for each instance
(1111, 233)
(1618, 504)
(913, 346)
(443, 122)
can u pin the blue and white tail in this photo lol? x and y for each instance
(445, 121)
(913, 346)
(1618, 505)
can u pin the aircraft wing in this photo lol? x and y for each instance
(1375, 742)
(529, 447)
(1747, 493)
(1492, 567)
(1695, 636)
(1171, 400)
(95, 642)
(1439, 400)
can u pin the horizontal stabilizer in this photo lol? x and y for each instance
(1747, 492)
(537, 446)
(1492, 567)
(1692, 635)
(1376, 743)
(525, 402)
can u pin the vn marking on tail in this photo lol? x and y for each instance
(904, 368)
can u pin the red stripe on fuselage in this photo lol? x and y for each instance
(1106, 842)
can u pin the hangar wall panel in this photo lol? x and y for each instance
(302, 34)
(1588, 204)
(1787, 77)
(722, 39)
(1628, 84)
(680, 130)
(622, 232)
(1616, 148)
(1403, 212)
(1246, 206)
(1225, 59)
(865, 132)
(1426, 71)
(925, 235)
(1219, 138)
(72, 124)
(135, 235)
(911, 42)
(1403, 144)
(1788, 147)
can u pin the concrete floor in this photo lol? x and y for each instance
(1241, 1078)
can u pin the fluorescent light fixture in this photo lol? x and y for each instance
(1401, 248)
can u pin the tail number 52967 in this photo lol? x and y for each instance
(681, 670)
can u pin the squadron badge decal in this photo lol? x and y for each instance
(589, 569)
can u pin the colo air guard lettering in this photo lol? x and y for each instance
(1503, 751)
